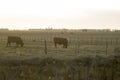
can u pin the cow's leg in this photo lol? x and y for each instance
(55, 45)
(8, 44)
(17, 44)
(63, 45)
(21, 44)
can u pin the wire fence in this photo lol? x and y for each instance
(76, 42)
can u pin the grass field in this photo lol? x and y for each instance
(80, 43)
(89, 56)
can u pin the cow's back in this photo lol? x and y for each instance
(14, 39)
(60, 40)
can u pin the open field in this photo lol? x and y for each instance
(89, 56)
(80, 43)
(37, 49)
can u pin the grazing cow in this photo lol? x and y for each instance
(15, 39)
(60, 41)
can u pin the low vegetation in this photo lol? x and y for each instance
(82, 68)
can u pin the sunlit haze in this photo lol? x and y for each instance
(69, 14)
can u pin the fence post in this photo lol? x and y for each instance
(45, 47)
(106, 47)
(111, 41)
(116, 41)
(101, 41)
(91, 41)
(75, 47)
(78, 47)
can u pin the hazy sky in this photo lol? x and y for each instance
(72, 14)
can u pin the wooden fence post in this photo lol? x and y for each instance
(78, 47)
(116, 41)
(111, 41)
(106, 47)
(101, 41)
(45, 47)
(75, 47)
(91, 41)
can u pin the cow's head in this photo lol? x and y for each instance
(66, 44)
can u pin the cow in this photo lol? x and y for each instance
(60, 41)
(14, 39)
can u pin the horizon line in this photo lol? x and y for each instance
(59, 29)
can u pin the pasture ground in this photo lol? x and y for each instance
(37, 49)
(87, 57)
